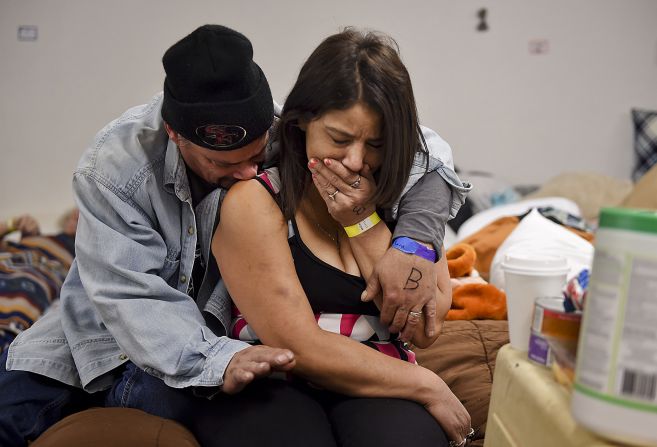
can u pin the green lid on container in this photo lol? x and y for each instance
(629, 219)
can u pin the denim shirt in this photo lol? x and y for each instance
(125, 297)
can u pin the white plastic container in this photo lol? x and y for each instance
(527, 277)
(615, 388)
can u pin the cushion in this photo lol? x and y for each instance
(111, 427)
(645, 141)
(643, 194)
(464, 355)
(589, 190)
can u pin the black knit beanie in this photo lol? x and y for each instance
(214, 94)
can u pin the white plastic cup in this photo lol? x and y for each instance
(527, 277)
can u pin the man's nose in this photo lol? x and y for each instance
(246, 171)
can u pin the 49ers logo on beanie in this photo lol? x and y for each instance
(221, 135)
(211, 78)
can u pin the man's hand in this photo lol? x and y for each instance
(253, 363)
(26, 224)
(404, 283)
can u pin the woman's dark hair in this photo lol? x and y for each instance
(347, 68)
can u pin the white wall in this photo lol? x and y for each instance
(523, 117)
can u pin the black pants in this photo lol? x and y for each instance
(268, 412)
(273, 412)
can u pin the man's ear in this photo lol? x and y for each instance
(173, 135)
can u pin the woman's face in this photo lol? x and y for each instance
(351, 136)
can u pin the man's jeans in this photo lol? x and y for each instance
(30, 403)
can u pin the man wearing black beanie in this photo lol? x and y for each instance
(136, 326)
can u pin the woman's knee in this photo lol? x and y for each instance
(384, 422)
(268, 412)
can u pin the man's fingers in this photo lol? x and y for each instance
(373, 288)
(258, 369)
(388, 312)
(265, 354)
(236, 380)
(399, 320)
(412, 322)
(429, 310)
(255, 362)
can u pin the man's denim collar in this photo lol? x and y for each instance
(175, 172)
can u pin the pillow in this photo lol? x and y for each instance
(589, 190)
(480, 220)
(645, 141)
(537, 234)
(643, 194)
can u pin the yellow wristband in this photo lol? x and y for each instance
(11, 225)
(362, 226)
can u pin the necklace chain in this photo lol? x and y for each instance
(335, 239)
(312, 216)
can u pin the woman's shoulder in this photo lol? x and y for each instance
(267, 181)
(250, 214)
(252, 199)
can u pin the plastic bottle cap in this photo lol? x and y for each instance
(629, 219)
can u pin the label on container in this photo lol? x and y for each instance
(617, 356)
(539, 349)
(552, 320)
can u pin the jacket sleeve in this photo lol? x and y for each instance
(432, 195)
(124, 267)
(424, 210)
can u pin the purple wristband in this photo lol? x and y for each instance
(408, 245)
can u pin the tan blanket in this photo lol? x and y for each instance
(464, 357)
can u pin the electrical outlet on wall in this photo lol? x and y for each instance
(539, 46)
(28, 33)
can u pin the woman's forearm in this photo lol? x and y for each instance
(343, 365)
(369, 247)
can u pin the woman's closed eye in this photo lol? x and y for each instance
(340, 142)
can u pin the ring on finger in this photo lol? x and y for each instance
(356, 184)
(470, 434)
(417, 314)
(333, 194)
